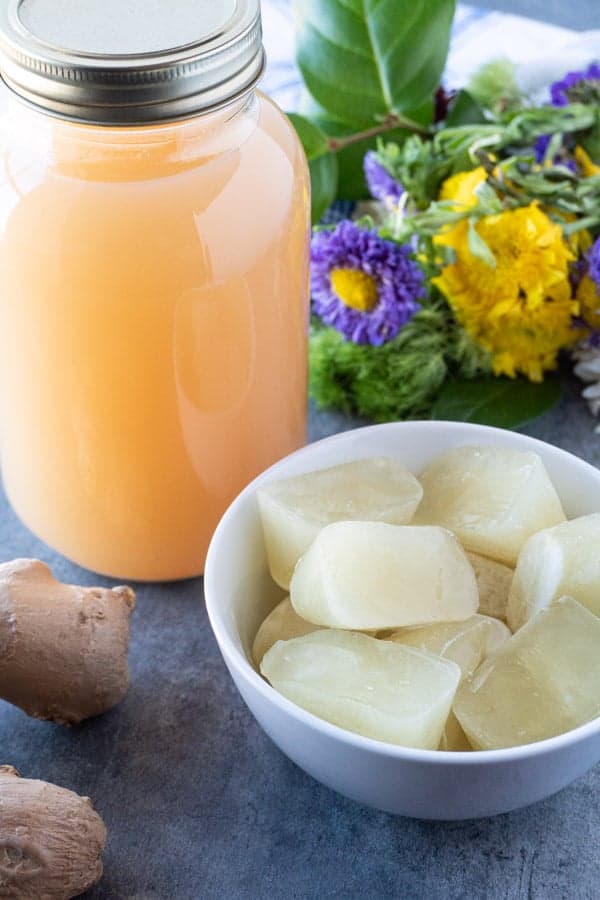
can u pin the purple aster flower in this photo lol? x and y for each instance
(382, 186)
(575, 83)
(364, 286)
(581, 86)
(577, 272)
(593, 257)
(540, 148)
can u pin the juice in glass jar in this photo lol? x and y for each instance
(153, 307)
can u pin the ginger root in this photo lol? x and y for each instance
(51, 840)
(63, 649)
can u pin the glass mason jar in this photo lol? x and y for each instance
(153, 276)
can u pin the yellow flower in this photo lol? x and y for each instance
(355, 288)
(520, 310)
(461, 187)
(585, 163)
(589, 302)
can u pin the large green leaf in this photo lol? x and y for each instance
(504, 402)
(323, 184)
(465, 110)
(313, 139)
(362, 59)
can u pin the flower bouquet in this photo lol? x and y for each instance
(454, 293)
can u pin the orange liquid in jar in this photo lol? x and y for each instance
(153, 313)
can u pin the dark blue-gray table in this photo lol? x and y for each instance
(200, 804)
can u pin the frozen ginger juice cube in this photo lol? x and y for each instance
(557, 561)
(294, 510)
(544, 681)
(370, 575)
(376, 688)
(493, 582)
(282, 624)
(492, 498)
(453, 737)
(465, 643)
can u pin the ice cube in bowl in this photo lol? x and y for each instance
(430, 784)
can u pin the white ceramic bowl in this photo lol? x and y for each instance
(421, 783)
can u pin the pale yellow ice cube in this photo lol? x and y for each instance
(453, 737)
(465, 643)
(282, 624)
(370, 575)
(498, 634)
(557, 561)
(294, 510)
(492, 498)
(493, 582)
(376, 688)
(542, 682)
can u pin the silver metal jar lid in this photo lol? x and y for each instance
(128, 62)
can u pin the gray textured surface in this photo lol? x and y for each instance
(200, 804)
(581, 15)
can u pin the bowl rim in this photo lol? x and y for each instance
(238, 660)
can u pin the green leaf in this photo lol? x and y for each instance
(504, 402)
(394, 381)
(591, 143)
(362, 59)
(494, 87)
(465, 110)
(311, 137)
(323, 184)
(487, 197)
(478, 247)
(554, 147)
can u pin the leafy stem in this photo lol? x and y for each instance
(391, 121)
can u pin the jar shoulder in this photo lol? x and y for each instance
(251, 150)
(274, 121)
